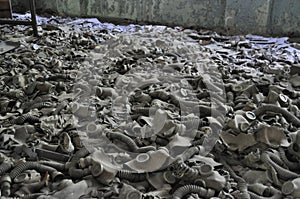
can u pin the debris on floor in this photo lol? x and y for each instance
(6, 46)
(96, 110)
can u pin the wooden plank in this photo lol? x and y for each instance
(15, 22)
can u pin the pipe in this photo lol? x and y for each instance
(129, 142)
(291, 165)
(57, 77)
(56, 165)
(148, 82)
(33, 196)
(158, 140)
(73, 171)
(106, 92)
(41, 105)
(20, 168)
(16, 94)
(204, 109)
(242, 184)
(30, 188)
(179, 169)
(256, 196)
(26, 118)
(259, 188)
(188, 189)
(273, 108)
(131, 176)
(5, 166)
(160, 94)
(261, 191)
(38, 106)
(273, 176)
(190, 152)
(78, 173)
(141, 110)
(275, 158)
(282, 172)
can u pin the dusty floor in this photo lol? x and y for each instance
(95, 110)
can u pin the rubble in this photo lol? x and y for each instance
(95, 110)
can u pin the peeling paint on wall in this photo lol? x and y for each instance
(236, 16)
(68, 7)
(261, 16)
(247, 16)
(84, 6)
(285, 17)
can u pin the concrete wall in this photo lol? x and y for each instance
(266, 17)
